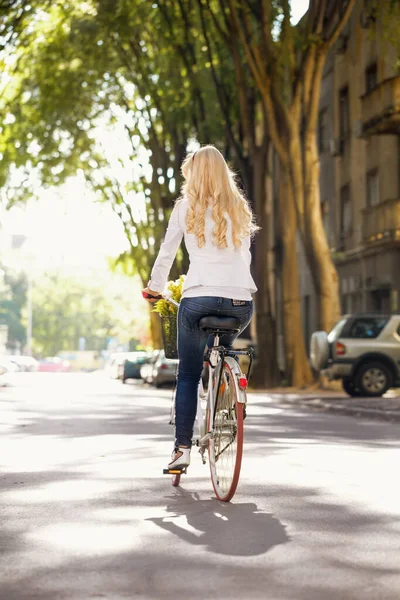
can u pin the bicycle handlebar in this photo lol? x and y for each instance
(147, 296)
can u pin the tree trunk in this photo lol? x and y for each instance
(326, 280)
(155, 329)
(266, 373)
(297, 367)
(291, 101)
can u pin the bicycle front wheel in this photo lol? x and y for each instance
(176, 479)
(226, 444)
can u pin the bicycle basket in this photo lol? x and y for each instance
(169, 330)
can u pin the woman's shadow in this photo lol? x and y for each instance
(223, 528)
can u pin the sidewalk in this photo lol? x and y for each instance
(386, 408)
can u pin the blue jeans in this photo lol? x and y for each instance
(192, 343)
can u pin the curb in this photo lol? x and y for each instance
(354, 411)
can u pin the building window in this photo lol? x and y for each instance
(322, 130)
(346, 216)
(379, 300)
(372, 188)
(344, 114)
(371, 78)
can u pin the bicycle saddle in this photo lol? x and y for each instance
(219, 323)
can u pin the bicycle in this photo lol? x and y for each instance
(222, 389)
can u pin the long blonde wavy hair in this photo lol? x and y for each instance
(209, 182)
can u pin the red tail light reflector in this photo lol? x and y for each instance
(340, 349)
(243, 383)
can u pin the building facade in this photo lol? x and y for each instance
(359, 145)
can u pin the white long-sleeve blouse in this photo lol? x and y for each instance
(213, 271)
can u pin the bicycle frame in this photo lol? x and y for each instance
(215, 357)
(213, 360)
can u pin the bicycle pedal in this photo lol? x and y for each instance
(174, 471)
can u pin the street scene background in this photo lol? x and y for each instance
(100, 102)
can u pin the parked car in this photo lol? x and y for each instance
(8, 366)
(114, 365)
(82, 360)
(132, 365)
(363, 350)
(146, 371)
(7, 371)
(159, 370)
(3, 369)
(54, 364)
(25, 363)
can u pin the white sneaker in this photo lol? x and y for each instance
(180, 458)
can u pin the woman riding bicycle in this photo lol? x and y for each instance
(216, 222)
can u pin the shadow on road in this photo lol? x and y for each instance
(231, 529)
(270, 425)
(87, 514)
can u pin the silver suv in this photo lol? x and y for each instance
(362, 350)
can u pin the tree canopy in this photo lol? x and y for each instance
(66, 308)
(166, 76)
(13, 289)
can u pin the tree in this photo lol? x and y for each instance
(287, 64)
(13, 290)
(66, 309)
(247, 150)
(385, 18)
(62, 98)
(57, 100)
(169, 73)
(251, 146)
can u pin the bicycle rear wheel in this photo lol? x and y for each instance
(226, 446)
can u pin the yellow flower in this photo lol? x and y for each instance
(165, 308)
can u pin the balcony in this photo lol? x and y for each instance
(380, 108)
(381, 223)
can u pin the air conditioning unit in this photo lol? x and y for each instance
(335, 147)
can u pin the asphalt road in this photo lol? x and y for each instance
(86, 513)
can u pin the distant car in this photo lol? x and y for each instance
(146, 371)
(160, 370)
(363, 350)
(82, 360)
(132, 365)
(25, 363)
(7, 370)
(114, 364)
(54, 364)
(7, 366)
